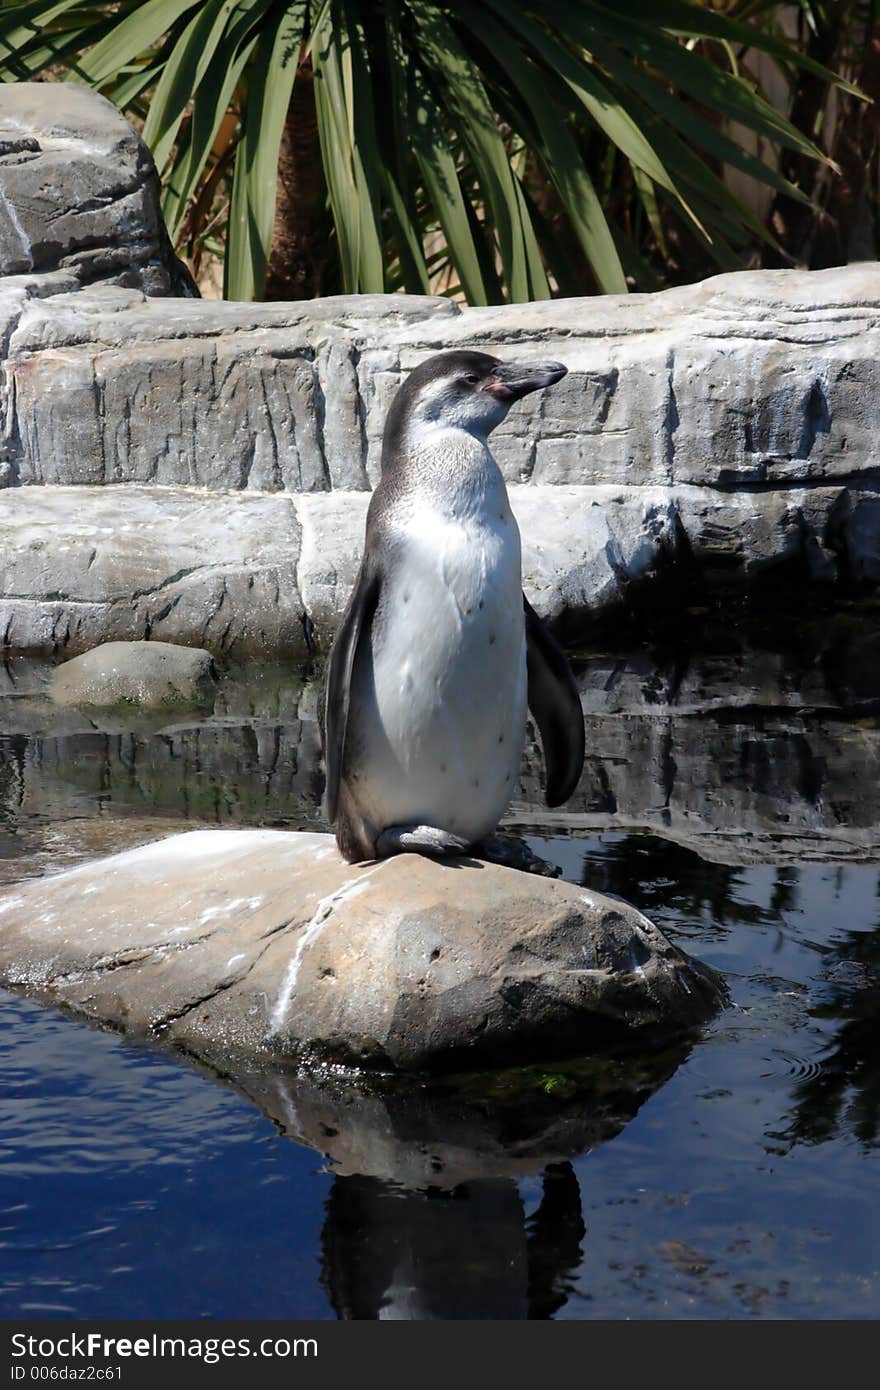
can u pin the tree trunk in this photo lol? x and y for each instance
(823, 234)
(300, 241)
(850, 231)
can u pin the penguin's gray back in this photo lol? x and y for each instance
(438, 708)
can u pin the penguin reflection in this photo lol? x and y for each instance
(390, 1253)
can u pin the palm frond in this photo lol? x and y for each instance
(506, 137)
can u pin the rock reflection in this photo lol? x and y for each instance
(12, 773)
(425, 1218)
(655, 874)
(743, 753)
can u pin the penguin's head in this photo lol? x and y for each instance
(464, 390)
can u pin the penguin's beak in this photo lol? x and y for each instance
(511, 380)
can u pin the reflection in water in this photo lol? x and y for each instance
(837, 1089)
(556, 1230)
(657, 874)
(843, 1091)
(395, 1254)
(747, 755)
(425, 1218)
(468, 1253)
(12, 774)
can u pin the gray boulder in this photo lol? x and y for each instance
(79, 191)
(154, 675)
(265, 943)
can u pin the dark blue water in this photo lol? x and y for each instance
(133, 1187)
(735, 1176)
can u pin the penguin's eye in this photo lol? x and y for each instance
(471, 378)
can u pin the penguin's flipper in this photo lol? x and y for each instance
(554, 702)
(355, 625)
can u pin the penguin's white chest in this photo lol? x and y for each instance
(443, 699)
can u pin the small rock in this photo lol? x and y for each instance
(254, 943)
(154, 675)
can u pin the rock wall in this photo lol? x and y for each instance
(763, 379)
(726, 430)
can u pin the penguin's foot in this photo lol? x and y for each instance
(513, 853)
(418, 839)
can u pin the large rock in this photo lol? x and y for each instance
(263, 942)
(624, 479)
(79, 191)
(261, 396)
(151, 675)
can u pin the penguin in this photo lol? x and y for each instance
(439, 652)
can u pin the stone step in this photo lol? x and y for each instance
(246, 572)
(79, 566)
(767, 378)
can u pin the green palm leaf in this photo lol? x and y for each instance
(182, 73)
(707, 83)
(698, 21)
(395, 165)
(252, 211)
(558, 153)
(218, 82)
(335, 130)
(466, 98)
(137, 31)
(437, 166)
(440, 119)
(687, 120)
(27, 23)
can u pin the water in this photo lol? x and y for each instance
(730, 793)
